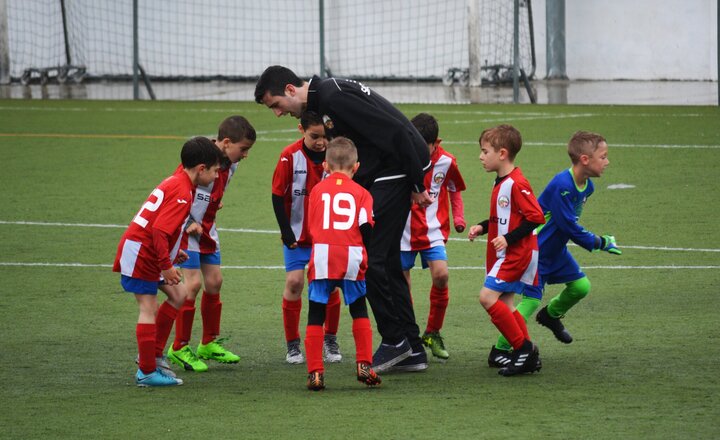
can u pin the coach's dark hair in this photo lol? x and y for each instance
(308, 118)
(236, 128)
(273, 80)
(200, 150)
(427, 125)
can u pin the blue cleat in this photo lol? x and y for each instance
(156, 379)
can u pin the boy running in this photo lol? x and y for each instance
(511, 260)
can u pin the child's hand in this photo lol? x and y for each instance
(475, 231)
(194, 229)
(610, 245)
(499, 243)
(182, 257)
(460, 227)
(171, 276)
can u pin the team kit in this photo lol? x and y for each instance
(361, 194)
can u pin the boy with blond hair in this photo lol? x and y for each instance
(562, 201)
(511, 261)
(340, 221)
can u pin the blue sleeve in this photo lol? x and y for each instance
(563, 214)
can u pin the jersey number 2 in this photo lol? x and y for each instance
(152, 207)
(347, 211)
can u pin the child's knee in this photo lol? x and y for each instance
(579, 288)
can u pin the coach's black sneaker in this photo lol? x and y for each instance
(499, 358)
(554, 324)
(524, 360)
(388, 355)
(415, 362)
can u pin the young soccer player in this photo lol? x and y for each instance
(426, 232)
(298, 170)
(511, 260)
(147, 250)
(201, 242)
(562, 201)
(340, 224)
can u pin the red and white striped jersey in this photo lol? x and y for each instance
(294, 177)
(430, 226)
(204, 210)
(337, 208)
(513, 201)
(166, 209)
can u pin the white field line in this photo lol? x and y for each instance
(105, 266)
(270, 231)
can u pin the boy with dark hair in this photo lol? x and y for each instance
(426, 232)
(395, 159)
(146, 253)
(511, 260)
(201, 242)
(562, 201)
(298, 170)
(340, 224)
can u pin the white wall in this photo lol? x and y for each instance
(638, 39)
(605, 39)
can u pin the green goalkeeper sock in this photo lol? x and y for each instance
(526, 307)
(573, 293)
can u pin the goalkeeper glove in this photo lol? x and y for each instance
(608, 244)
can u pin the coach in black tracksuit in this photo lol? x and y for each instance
(393, 160)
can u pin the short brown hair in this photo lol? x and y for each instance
(583, 142)
(236, 128)
(341, 154)
(503, 136)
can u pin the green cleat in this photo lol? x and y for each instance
(187, 359)
(215, 351)
(434, 341)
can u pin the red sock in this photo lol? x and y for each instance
(362, 333)
(521, 323)
(145, 334)
(438, 304)
(163, 324)
(184, 324)
(332, 313)
(291, 319)
(504, 320)
(314, 347)
(211, 309)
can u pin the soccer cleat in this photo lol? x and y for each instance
(294, 355)
(499, 358)
(388, 355)
(316, 381)
(526, 359)
(161, 363)
(187, 359)
(366, 375)
(554, 324)
(435, 343)
(414, 362)
(215, 351)
(156, 379)
(331, 349)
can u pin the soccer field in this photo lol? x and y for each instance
(643, 363)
